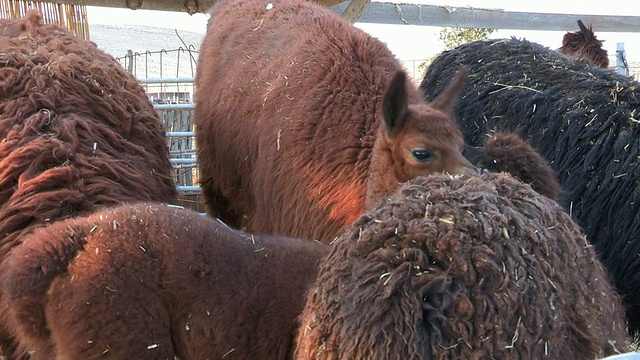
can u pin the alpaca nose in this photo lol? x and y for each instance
(467, 168)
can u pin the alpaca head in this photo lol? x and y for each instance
(416, 139)
(584, 44)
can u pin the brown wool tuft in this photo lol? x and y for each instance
(462, 268)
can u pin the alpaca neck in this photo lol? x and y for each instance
(382, 180)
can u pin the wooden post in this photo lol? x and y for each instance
(354, 10)
(622, 67)
(130, 64)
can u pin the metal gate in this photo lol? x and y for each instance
(173, 100)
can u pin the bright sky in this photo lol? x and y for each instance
(420, 42)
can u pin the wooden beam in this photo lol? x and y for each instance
(434, 15)
(190, 6)
(329, 3)
(414, 14)
(354, 10)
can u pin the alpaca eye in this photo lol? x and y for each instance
(423, 155)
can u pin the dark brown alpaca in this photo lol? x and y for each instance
(508, 152)
(78, 133)
(460, 267)
(584, 44)
(148, 281)
(304, 121)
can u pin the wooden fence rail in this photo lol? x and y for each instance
(416, 14)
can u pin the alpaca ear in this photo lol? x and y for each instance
(395, 104)
(587, 33)
(582, 27)
(447, 99)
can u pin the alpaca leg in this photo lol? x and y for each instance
(7, 346)
(219, 206)
(43, 351)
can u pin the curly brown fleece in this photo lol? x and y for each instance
(78, 133)
(462, 268)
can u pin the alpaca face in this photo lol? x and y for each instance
(428, 143)
(424, 138)
(584, 44)
(416, 140)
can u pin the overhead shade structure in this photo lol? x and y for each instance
(71, 16)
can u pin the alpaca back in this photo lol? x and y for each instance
(79, 132)
(148, 281)
(314, 83)
(462, 268)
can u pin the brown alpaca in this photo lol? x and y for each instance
(303, 121)
(584, 44)
(508, 152)
(78, 133)
(148, 281)
(462, 268)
